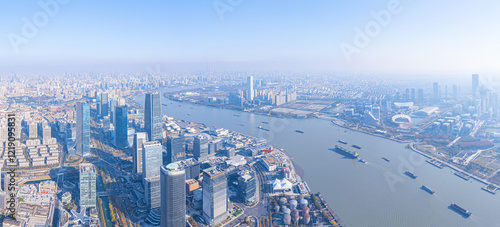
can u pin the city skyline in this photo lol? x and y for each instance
(249, 113)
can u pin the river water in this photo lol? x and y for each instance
(373, 194)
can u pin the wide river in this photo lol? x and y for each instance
(373, 194)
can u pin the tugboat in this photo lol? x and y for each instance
(411, 175)
(362, 161)
(356, 146)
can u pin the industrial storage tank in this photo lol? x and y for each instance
(305, 210)
(292, 197)
(277, 209)
(300, 197)
(283, 200)
(286, 211)
(295, 212)
(287, 219)
(293, 204)
(295, 219)
(283, 208)
(306, 219)
(303, 203)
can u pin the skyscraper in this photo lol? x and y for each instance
(475, 84)
(121, 127)
(87, 186)
(200, 147)
(152, 191)
(152, 116)
(104, 104)
(152, 158)
(214, 195)
(173, 196)
(250, 90)
(435, 91)
(175, 148)
(82, 129)
(139, 138)
(152, 161)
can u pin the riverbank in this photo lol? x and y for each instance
(368, 133)
(451, 166)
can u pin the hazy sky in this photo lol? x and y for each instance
(409, 37)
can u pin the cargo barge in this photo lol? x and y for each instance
(425, 188)
(460, 210)
(356, 146)
(411, 175)
(346, 153)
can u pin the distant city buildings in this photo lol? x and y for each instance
(250, 88)
(152, 116)
(435, 91)
(104, 104)
(475, 85)
(82, 129)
